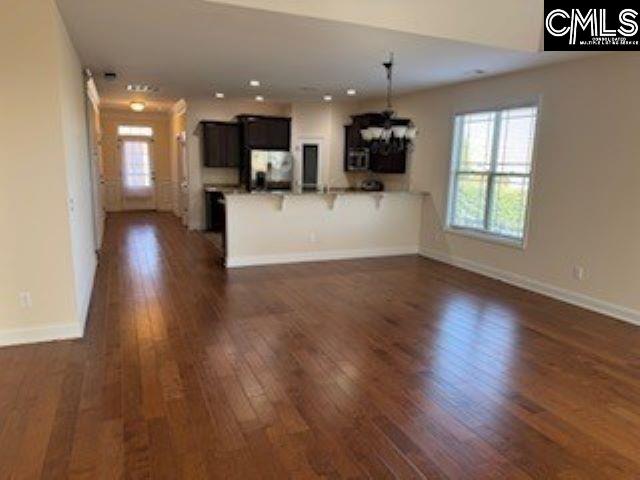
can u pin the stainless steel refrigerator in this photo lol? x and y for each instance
(271, 170)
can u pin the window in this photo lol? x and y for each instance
(134, 131)
(491, 172)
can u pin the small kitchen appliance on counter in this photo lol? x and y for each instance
(372, 185)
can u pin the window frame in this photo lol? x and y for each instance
(485, 234)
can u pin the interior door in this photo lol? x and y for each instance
(137, 173)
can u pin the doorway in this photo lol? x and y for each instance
(310, 163)
(92, 101)
(137, 173)
(183, 178)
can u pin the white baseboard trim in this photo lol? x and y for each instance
(42, 333)
(318, 256)
(581, 300)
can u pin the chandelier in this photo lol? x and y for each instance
(389, 134)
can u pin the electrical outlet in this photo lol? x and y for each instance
(25, 299)
(578, 272)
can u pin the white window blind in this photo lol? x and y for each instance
(491, 171)
(134, 131)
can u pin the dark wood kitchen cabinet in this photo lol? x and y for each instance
(221, 144)
(265, 133)
(391, 163)
(215, 212)
(395, 162)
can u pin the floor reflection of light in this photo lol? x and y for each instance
(473, 355)
(143, 251)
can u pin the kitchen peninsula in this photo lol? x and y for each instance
(284, 227)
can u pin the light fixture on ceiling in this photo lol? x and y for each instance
(351, 92)
(254, 83)
(137, 106)
(259, 98)
(219, 95)
(388, 134)
(327, 98)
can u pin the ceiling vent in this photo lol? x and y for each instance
(110, 76)
(141, 88)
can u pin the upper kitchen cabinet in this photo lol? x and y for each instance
(390, 163)
(220, 144)
(266, 133)
(361, 155)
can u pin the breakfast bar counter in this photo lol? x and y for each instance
(271, 227)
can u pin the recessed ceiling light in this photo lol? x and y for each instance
(351, 92)
(137, 106)
(254, 83)
(259, 98)
(219, 95)
(327, 98)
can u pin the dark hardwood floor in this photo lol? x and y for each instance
(383, 368)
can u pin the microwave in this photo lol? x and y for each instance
(357, 159)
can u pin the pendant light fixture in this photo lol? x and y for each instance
(389, 135)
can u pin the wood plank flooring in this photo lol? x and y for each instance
(383, 368)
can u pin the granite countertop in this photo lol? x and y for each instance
(223, 188)
(331, 191)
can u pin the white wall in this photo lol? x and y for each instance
(310, 227)
(585, 200)
(43, 156)
(78, 167)
(326, 121)
(311, 122)
(199, 109)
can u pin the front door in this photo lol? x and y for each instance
(138, 176)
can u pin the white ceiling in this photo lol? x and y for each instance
(512, 24)
(191, 48)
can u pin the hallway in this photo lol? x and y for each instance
(397, 367)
